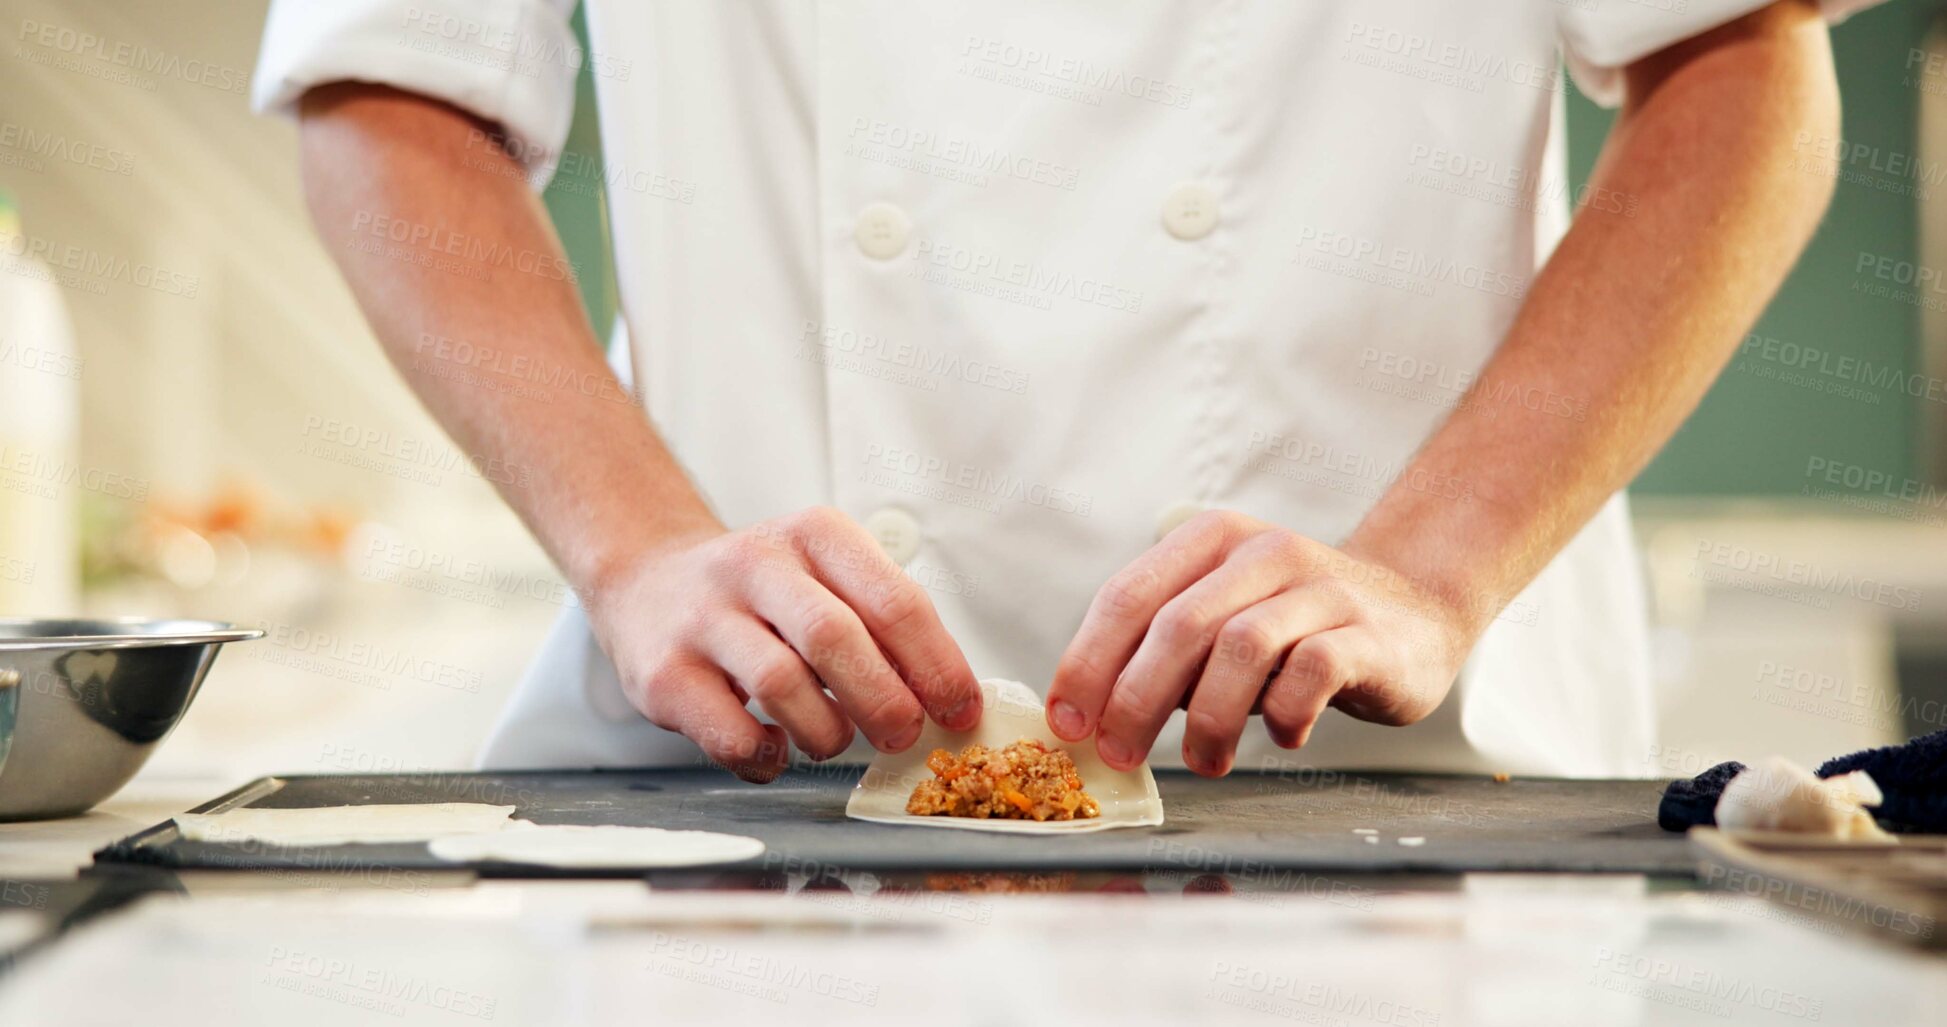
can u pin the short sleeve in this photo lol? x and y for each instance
(1602, 37)
(512, 62)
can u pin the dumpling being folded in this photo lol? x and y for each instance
(910, 789)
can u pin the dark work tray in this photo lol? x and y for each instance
(1239, 825)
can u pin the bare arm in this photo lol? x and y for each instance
(1636, 312)
(450, 254)
(379, 164)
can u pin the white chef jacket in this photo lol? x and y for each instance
(1021, 285)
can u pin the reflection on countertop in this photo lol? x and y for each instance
(1489, 949)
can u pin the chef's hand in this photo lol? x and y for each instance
(1224, 602)
(781, 612)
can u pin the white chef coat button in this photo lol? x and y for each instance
(1190, 212)
(882, 230)
(897, 532)
(1173, 517)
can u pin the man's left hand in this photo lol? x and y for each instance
(1229, 615)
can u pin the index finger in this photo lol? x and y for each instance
(900, 617)
(1119, 618)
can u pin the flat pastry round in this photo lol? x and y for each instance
(340, 825)
(606, 846)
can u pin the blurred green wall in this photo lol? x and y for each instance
(1761, 421)
(578, 203)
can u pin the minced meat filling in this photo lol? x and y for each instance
(1024, 781)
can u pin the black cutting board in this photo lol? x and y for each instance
(1239, 825)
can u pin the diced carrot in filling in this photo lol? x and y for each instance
(942, 763)
(1024, 781)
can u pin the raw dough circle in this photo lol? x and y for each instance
(342, 825)
(568, 845)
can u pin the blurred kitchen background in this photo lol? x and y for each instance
(194, 420)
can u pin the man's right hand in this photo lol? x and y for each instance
(782, 612)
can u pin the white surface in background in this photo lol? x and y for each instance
(183, 392)
(18, 927)
(1751, 664)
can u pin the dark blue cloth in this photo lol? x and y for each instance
(1913, 777)
(1692, 801)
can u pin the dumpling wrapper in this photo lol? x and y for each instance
(1776, 794)
(1012, 712)
(588, 847)
(341, 825)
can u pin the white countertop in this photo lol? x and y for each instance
(1503, 950)
(60, 848)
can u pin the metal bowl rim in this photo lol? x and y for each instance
(216, 632)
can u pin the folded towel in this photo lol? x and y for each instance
(1913, 778)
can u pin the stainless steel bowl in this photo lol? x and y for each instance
(94, 699)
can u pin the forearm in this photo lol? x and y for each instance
(450, 255)
(1637, 311)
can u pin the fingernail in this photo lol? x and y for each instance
(1203, 762)
(963, 716)
(1068, 721)
(1289, 739)
(1113, 752)
(905, 738)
